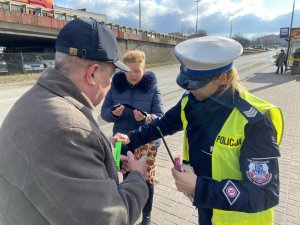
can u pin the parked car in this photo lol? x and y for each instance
(32, 63)
(22, 63)
(3, 64)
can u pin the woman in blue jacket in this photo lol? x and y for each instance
(132, 101)
(230, 140)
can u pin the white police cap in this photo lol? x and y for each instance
(203, 58)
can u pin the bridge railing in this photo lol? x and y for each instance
(36, 10)
(251, 51)
(121, 32)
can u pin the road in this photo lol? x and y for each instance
(247, 66)
(170, 207)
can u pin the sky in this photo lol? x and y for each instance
(249, 18)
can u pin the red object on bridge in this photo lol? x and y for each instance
(44, 3)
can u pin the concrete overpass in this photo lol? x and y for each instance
(18, 29)
(27, 25)
(26, 28)
(22, 30)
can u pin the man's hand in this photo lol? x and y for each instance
(118, 110)
(130, 164)
(121, 137)
(185, 181)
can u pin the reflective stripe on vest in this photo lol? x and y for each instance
(226, 152)
(185, 155)
(222, 217)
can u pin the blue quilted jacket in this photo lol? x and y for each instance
(145, 96)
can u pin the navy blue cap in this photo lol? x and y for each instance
(88, 39)
(204, 58)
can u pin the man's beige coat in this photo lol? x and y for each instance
(56, 166)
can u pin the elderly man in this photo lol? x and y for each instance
(56, 166)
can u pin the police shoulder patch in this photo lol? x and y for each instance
(258, 172)
(231, 192)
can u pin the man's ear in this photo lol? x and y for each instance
(90, 74)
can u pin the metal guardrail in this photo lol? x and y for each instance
(35, 10)
(249, 51)
(35, 62)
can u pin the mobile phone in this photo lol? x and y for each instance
(130, 107)
(133, 108)
(116, 106)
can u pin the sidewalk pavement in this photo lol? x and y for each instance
(172, 207)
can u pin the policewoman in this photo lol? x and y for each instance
(230, 139)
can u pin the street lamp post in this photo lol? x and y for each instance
(289, 44)
(230, 26)
(140, 13)
(197, 16)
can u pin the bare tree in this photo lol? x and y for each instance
(268, 41)
(200, 33)
(245, 42)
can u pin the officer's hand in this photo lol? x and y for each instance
(120, 137)
(129, 163)
(185, 181)
(118, 110)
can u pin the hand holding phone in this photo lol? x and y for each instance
(129, 107)
(133, 108)
(185, 179)
(117, 110)
(178, 164)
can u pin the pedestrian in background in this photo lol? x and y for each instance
(280, 61)
(56, 165)
(139, 89)
(230, 140)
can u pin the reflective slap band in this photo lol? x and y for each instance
(205, 72)
(117, 153)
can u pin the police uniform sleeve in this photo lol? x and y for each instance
(169, 124)
(259, 188)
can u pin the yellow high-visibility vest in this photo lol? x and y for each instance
(228, 156)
